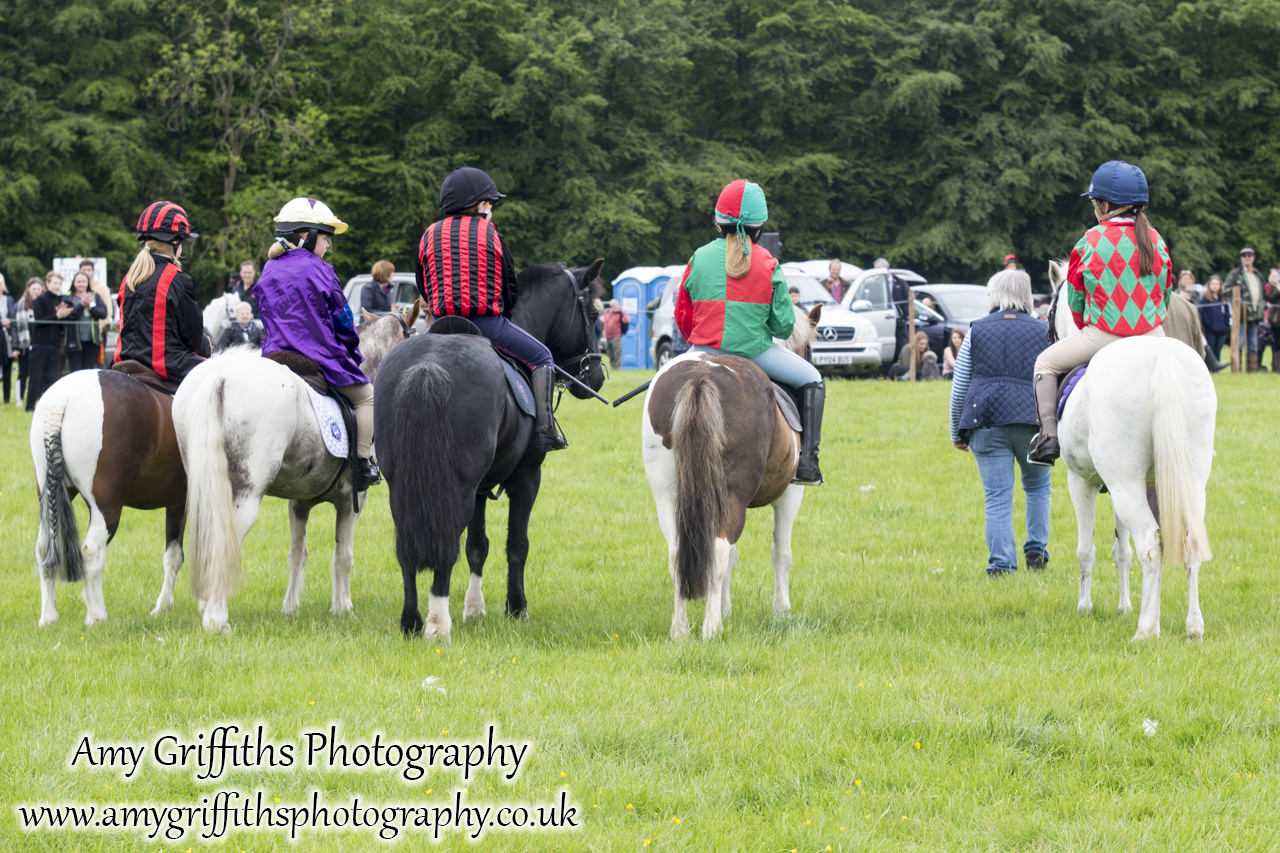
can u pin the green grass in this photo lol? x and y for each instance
(909, 702)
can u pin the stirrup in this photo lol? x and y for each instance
(807, 475)
(367, 474)
(1043, 450)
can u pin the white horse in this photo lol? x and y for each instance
(1145, 409)
(246, 428)
(218, 313)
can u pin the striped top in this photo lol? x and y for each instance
(465, 269)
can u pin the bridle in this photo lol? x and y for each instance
(580, 365)
(1053, 315)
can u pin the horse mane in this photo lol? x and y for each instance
(1057, 278)
(805, 330)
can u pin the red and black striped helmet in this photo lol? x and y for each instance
(164, 221)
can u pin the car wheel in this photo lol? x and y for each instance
(662, 354)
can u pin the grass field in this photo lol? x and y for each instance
(909, 702)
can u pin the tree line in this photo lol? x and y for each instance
(939, 133)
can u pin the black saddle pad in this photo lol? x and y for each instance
(1068, 383)
(146, 376)
(788, 406)
(517, 376)
(451, 324)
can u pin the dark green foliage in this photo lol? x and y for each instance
(940, 134)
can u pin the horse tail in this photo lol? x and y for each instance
(214, 545)
(58, 530)
(418, 449)
(1182, 530)
(698, 442)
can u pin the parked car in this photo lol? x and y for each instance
(846, 342)
(404, 292)
(868, 295)
(959, 304)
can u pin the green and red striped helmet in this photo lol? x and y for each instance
(164, 221)
(741, 202)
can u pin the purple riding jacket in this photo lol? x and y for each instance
(304, 311)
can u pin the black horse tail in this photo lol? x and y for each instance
(58, 531)
(417, 450)
(698, 442)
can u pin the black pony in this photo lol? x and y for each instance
(450, 431)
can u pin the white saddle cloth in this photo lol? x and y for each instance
(329, 419)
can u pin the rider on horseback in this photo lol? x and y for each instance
(304, 311)
(733, 299)
(1118, 277)
(465, 269)
(156, 295)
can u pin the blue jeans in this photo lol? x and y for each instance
(1215, 341)
(997, 449)
(1248, 340)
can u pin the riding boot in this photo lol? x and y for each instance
(1253, 363)
(546, 433)
(1044, 444)
(812, 399)
(1211, 362)
(366, 473)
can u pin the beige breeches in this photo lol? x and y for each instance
(361, 397)
(1077, 349)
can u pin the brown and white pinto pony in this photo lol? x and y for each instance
(715, 444)
(109, 438)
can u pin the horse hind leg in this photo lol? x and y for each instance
(713, 618)
(174, 522)
(726, 605)
(1083, 496)
(1122, 557)
(299, 513)
(477, 552)
(94, 553)
(1130, 502)
(439, 624)
(343, 557)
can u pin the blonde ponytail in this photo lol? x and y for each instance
(737, 263)
(279, 246)
(144, 265)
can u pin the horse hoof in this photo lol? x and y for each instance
(343, 609)
(92, 619)
(1126, 607)
(46, 621)
(1145, 635)
(1084, 609)
(213, 627)
(469, 613)
(411, 625)
(679, 632)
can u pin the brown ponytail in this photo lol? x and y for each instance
(1146, 251)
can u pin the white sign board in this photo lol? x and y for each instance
(68, 267)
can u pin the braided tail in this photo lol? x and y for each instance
(58, 533)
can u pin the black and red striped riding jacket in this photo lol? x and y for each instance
(161, 324)
(465, 269)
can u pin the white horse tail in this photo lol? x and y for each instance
(698, 443)
(1182, 530)
(214, 544)
(58, 531)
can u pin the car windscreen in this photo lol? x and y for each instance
(966, 304)
(811, 290)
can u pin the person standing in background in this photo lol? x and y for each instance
(1215, 316)
(375, 297)
(614, 322)
(1247, 282)
(833, 282)
(20, 332)
(8, 351)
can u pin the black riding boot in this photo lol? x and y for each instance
(366, 473)
(1211, 362)
(812, 399)
(546, 434)
(1044, 444)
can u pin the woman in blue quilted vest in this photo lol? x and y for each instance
(993, 414)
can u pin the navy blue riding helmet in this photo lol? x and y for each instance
(1119, 183)
(466, 186)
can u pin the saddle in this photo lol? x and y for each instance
(787, 405)
(309, 372)
(517, 376)
(146, 376)
(1068, 383)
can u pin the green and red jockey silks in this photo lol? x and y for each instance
(1107, 289)
(734, 315)
(741, 202)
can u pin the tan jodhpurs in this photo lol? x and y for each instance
(361, 397)
(1073, 350)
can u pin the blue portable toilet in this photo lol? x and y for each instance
(634, 289)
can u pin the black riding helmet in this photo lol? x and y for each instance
(466, 186)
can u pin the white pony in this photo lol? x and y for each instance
(218, 313)
(246, 428)
(1145, 408)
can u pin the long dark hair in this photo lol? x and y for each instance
(1146, 250)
